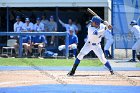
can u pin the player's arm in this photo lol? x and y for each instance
(55, 27)
(15, 28)
(62, 23)
(108, 26)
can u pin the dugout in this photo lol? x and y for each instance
(75, 9)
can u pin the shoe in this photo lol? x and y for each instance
(110, 57)
(71, 73)
(132, 60)
(112, 73)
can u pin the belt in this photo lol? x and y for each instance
(93, 43)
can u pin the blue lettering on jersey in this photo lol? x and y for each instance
(95, 32)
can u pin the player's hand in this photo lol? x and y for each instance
(110, 27)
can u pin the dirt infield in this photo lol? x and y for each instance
(24, 78)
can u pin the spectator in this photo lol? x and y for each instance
(52, 27)
(70, 24)
(18, 25)
(73, 41)
(39, 42)
(38, 27)
(45, 22)
(26, 44)
(27, 26)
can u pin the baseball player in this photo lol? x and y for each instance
(26, 44)
(39, 42)
(45, 22)
(70, 24)
(73, 41)
(18, 25)
(93, 43)
(109, 40)
(136, 47)
(38, 27)
(27, 26)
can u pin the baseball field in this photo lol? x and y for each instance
(28, 75)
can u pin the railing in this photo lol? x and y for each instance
(21, 34)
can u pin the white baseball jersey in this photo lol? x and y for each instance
(68, 26)
(28, 27)
(95, 34)
(18, 26)
(136, 31)
(93, 43)
(39, 28)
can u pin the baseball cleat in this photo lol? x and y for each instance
(112, 73)
(70, 73)
(132, 60)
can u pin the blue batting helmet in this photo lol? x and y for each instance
(133, 22)
(96, 19)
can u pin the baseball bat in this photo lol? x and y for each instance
(94, 14)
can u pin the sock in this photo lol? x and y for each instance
(75, 52)
(107, 64)
(109, 54)
(77, 61)
(106, 53)
(75, 65)
(133, 54)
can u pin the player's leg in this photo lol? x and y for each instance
(40, 47)
(74, 48)
(61, 47)
(106, 48)
(134, 52)
(135, 49)
(25, 45)
(98, 51)
(84, 51)
(16, 47)
(30, 49)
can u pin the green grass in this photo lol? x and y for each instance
(138, 65)
(46, 62)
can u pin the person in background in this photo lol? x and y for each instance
(73, 41)
(39, 42)
(27, 26)
(45, 22)
(38, 27)
(135, 30)
(52, 28)
(18, 25)
(17, 28)
(70, 24)
(26, 44)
